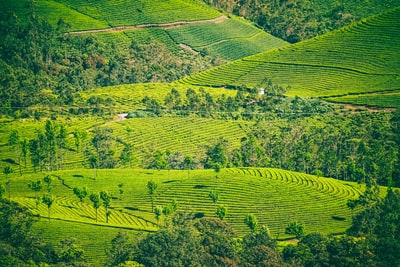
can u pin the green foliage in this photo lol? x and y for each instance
(152, 188)
(121, 250)
(216, 155)
(251, 221)
(81, 193)
(214, 196)
(259, 249)
(181, 244)
(69, 252)
(48, 181)
(221, 212)
(95, 199)
(102, 143)
(18, 244)
(2, 190)
(48, 200)
(296, 229)
(106, 198)
(7, 170)
(36, 187)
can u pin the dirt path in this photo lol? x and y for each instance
(152, 25)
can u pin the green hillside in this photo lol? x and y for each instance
(230, 39)
(276, 197)
(82, 15)
(388, 100)
(296, 21)
(356, 59)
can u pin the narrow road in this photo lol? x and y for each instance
(152, 25)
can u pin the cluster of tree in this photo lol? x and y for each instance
(353, 147)
(195, 240)
(290, 20)
(357, 147)
(41, 64)
(187, 240)
(248, 104)
(19, 246)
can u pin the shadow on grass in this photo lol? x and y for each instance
(201, 186)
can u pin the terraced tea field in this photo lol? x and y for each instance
(231, 39)
(128, 97)
(186, 135)
(385, 100)
(105, 14)
(360, 58)
(275, 196)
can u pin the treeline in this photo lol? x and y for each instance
(190, 240)
(292, 134)
(289, 20)
(356, 148)
(248, 104)
(352, 147)
(44, 65)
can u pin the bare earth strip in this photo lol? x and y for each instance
(153, 25)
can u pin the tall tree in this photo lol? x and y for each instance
(36, 187)
(95, 199)
(48, 181)
(106, 198)
(13, 141)
(102, 141)
(24, 145)
(214, 196)
(51, 144)
(81, 193)
(251, 221)
(217, 155)
(188, 163)
(221, 212)
(152, 188)
(2, 190)
(126, 156)
(61, 144)
(7, 171)
(121, 250)
(48, 200)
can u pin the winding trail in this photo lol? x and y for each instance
(152, 25)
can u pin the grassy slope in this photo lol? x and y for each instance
(187, 135)
(390, 100)
(104, 14)
(231, 39)
(275, 196)
(359, 58)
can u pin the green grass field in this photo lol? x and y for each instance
(356, 59)
(275, 196)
